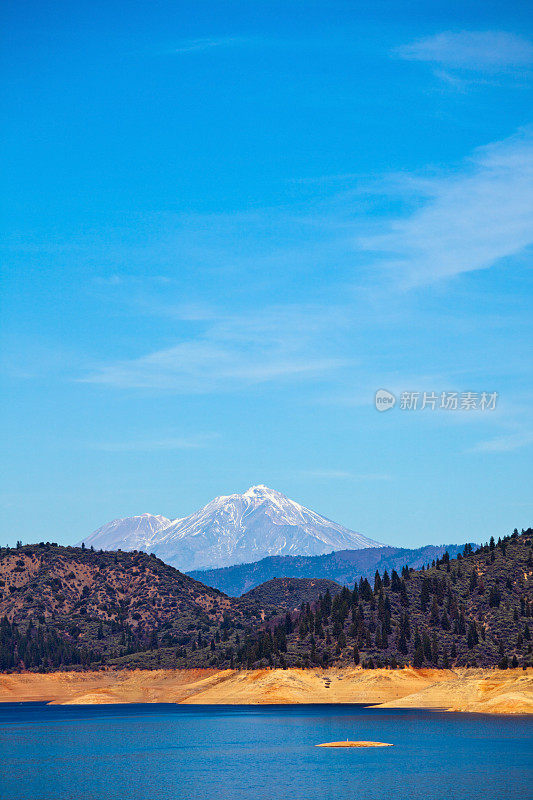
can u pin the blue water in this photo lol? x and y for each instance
(170, 752)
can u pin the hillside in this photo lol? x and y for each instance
(471, 611)
(289, 593)
(343, 566)
(68, 607)
(74, 606)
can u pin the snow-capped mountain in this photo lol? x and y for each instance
(130, 533)
(231, 529)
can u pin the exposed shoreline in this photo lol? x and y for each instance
(355, 744)
(489, 691)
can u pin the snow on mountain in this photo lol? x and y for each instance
(231, 529)
(131, 533)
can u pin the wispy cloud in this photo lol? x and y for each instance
(505, 443)
(122, 280)
(465, 221)
(476, 51)
(442, 224)
(339, 474)
(197, 45)
(278, 344)
(422, 227)
(148, 445)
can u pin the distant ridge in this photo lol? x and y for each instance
(343, 566)
(231, 529)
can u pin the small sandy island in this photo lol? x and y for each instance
(355, 744)
(489, 691)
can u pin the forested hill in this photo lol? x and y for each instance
(73, 608)
(290, 593)
(471, 611)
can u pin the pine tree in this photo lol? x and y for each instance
(424, 594)
(401, 642)
(395, 585)
(326, 607)
(434, 618)
(404, 598)
(418, 657)
(434, 649)
(472, 637)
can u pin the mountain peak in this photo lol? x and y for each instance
(232, 529)
(260, 489)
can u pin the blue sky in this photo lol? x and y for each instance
(226, 225)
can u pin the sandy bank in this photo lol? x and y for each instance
(355, 744)
(488, 691)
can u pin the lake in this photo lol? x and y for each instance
(171, 752)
